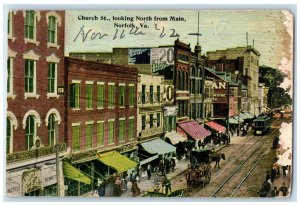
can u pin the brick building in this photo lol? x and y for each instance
(101, 116)
(35, 109)
(243, 64)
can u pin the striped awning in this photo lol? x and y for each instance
(213, 125)
(75, 174)
(192, 128)
(117, 161)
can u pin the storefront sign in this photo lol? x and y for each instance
(49, 175)
(31, 181)
(170, 111)
(139, 56)
(13, 184)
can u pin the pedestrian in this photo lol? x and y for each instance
(149, 171)
(274, 192)
(267, 175)
(167, 184)
(135, 189)
(273, 174)
(283, 170)
(117, 187)
(283, 189)
(101, 188)
(124, 184)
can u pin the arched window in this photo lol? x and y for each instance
(8, 135)
(182, 80)
(186, 81)
(51, 130)
(30, 131)
(179, 80)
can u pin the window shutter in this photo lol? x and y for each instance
(72, 95)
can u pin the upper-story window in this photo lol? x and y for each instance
(121, 95)
(30, 133)
(158, 94)
(111, 95)
(143, 94)
(52, 29)
(131, 94)
(9, 24)
(75, 95)
(8, 135)
(151, 94)
(52, 77)
(30, 76)
(51, 129)
(89, 95)
(30, 25)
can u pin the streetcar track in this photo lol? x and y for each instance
(262, 140)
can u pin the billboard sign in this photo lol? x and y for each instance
(139, 56)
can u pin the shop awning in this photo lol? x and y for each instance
(213, 125)
(158, 146)
(117, 161)
(193, 129)
(248, 115)
(233, 121)
(145, 161)
(175, 137)
(75, 174)
(240, 117)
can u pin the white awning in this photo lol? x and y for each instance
(175, 137)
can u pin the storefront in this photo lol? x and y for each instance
(193, 132)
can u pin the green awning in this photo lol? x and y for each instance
(233, 121)
(158, 146)
(117, 161)
(75, 174)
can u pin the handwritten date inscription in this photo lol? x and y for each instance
(88, 34)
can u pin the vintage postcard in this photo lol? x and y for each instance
(149, 103)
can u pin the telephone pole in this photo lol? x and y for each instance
(199, 65)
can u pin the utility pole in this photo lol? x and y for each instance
(199, 65)
(228, 102)
(57, 159)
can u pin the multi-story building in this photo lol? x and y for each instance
(35, 105)
(150, 102)
(101, 116)
(170, 110)
(182, 55)
(242, 62)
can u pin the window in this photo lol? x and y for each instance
(89, 96)
(158, 120)
(151, 94)
(111, 96)
(111, 131)
(8, 135)
(76, 137)
(143, 94)
(52, 77)
(89, 135)
(30, 132)
(151, 121)
(29, 76)
(51, 130)
(9, 76)
(121, 95)
(75, 95)
(251, 59)
(131, 95)
(158, 94)
(100, 95)
(100, 133)
(131, 128)
(143, 122)
(121, 129)
(30, 25)
(52, 29)
(9, 24)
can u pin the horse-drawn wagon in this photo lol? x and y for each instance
(199, 171)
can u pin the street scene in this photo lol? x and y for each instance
(177, 103)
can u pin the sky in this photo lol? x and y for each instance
(220, 29)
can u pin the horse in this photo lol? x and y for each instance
(217, 158)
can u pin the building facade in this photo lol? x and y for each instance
(35, 105)
(150, 102)
(101, 116)
(243, 64)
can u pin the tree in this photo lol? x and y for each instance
(272, 78)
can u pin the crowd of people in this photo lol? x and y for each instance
(269, 189)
